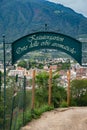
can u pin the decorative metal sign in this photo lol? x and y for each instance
(46, 40)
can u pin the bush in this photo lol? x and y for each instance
(79, 92)
(36, 113)
(64, 104)
(73, 102)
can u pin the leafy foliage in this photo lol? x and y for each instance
(22, 64)
(42, 79)
(79, 92)
(63, 104)
(58, 92)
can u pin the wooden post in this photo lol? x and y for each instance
(68, 88)
(50, 87)
(33, 90)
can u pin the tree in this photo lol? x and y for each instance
(79, 92)
(58, 92)
(42, 79)
(42, 89)
(23, 64)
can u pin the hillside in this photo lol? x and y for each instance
(21, 17)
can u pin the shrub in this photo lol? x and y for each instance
(63, 104)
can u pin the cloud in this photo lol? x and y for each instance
(79, 6)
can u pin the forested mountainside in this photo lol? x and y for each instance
(21, 17)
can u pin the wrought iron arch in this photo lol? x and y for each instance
(46, 40)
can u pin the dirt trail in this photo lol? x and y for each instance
(61, 119)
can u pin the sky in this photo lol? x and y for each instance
(80, 6)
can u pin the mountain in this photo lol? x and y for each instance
(21, 17)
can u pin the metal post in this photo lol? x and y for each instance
(33, 90)
(45, 27)
(50, 87)
(24, 99)
(4, 82)
(13, 101)
(68, 88)
(0, 83)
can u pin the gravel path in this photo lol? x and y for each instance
(61, 119)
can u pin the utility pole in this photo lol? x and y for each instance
(50, 87)
(68, 88)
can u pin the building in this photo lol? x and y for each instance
(81, 72)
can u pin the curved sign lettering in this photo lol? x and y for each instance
(46, 40)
